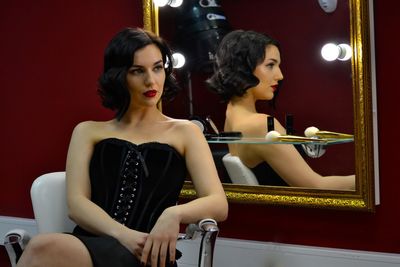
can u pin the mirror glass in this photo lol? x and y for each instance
(332, 96)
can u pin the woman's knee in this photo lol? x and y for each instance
(40, 245)
(55, 250)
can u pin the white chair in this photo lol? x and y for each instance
(237, 171)
(48, 195)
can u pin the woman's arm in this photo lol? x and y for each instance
(291, 166)
(211, 201)
(82, 210)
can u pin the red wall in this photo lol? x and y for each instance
(51, 56)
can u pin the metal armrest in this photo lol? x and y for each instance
(15, 242)
(208, 230)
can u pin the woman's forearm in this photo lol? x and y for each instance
(213, 206)
(93, 219)
(338, 182)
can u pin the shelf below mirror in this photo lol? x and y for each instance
(259, 140)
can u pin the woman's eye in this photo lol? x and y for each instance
(270, 65)
(136, 71)
(158, 68)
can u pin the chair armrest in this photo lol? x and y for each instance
(193, 230)
(15, 242)
(208, 230)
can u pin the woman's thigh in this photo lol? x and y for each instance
(55, 249)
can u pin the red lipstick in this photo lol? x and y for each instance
(150, 93)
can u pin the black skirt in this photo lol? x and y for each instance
(107, 251)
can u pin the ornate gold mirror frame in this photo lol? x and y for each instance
(363, 197)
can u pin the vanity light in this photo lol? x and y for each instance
(345, 52)
(171, 3)
(332, 52)
(328, 5)
(178, 60)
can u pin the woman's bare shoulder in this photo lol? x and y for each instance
(183, 126)
(250, 125)
(91, 129)
(87, 126)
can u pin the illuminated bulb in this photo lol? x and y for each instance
(178, 60)
(272, 136)
(330, 52)
(160, 3)
(345, 52)
(175, 3)
(172, 3)
(311, 131)
(328, 5)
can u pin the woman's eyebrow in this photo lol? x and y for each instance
(154, 64)
(273, 59)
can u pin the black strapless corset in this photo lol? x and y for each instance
(133, 183)
(267, 176)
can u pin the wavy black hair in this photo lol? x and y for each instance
(118, 57)
(237, 56)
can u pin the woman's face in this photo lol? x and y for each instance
(269, 74)
(145, 78)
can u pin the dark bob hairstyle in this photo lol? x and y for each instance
(237, 56)
(118, 57)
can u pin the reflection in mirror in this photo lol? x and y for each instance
(317, 93)
(247, 70)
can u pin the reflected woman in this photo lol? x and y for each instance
(246, 70)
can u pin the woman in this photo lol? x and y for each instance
(246, 71)
(124, 176)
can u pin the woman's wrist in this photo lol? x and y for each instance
(174, 212)
(118, 232)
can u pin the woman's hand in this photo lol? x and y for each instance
(134, 241)
(161, 242)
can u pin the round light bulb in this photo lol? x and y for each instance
(178, 60)
(345, 52)
(330, 52)
(176, 3)
(160, 3)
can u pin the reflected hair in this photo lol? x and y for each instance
(237, 56)
(118, 58)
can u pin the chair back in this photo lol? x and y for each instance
(237, 171)
(49, 201)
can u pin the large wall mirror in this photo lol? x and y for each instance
(335, 96)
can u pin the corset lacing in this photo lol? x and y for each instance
(130, 174)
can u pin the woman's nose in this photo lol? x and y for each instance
(279, 75)
(149, 78)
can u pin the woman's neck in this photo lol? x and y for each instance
(244, 103)
(139, 116)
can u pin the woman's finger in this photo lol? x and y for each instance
(145, 252)
(155, 249)
(172, 250)
(164, 251)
